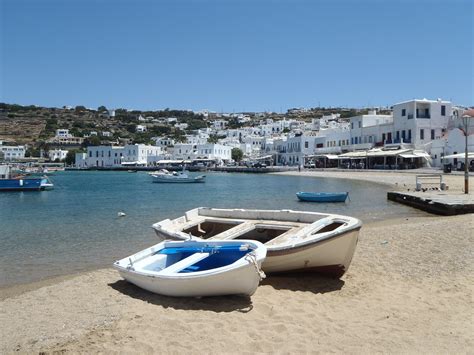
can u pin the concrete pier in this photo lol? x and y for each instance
(437, 202)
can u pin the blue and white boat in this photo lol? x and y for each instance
(196, 268)
(322, 196)
(20, 183)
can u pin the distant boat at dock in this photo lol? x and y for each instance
(164, 176)
(8, 182)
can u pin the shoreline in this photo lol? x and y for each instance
(17, 289)
(398, 180)
(396, 296)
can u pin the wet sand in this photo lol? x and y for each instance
(409, 289)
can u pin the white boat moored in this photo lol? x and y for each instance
(196, 268)
(165, 176)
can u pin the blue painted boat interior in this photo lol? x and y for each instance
(219, 256)
(216, 260)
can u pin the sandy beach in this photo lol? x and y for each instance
(409, 289)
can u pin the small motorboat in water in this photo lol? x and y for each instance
(295, 240)
(18, 182)
(196, 268)
(322, 196)
(175, 177)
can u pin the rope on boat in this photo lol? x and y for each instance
(252, 258)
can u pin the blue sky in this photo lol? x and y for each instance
(234, 55)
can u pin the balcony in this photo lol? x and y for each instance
(423, 116)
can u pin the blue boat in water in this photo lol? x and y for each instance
(21, 183)
(322, 196)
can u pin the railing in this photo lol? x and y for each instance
(430, 179)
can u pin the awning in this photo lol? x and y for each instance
(328, 156)
(470, 155)
(409, 155)
(132, 162)
(173, 161)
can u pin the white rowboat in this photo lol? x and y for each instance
(295, 240)
(196, 268)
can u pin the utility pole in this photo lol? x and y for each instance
(466, 118)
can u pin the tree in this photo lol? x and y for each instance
(213, 138)
(102, 108)
(71, 156)
(237, 154)
(80, 109)
(91, 141)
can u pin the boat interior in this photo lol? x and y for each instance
(167, 261)
(269, 232)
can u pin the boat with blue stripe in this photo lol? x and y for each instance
(322, 196)
(21, 182)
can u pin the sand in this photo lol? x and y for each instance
(393, 179)
(409, 290)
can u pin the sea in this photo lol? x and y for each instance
(76, 226)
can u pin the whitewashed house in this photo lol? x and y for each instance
(140, 128)
(370, 130)
(209, 151)
(54, 154)
(106, 156)
(13, 152)
(419, 122)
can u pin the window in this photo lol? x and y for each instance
(352, 140)
(96, 153)
(352, 125)
(383, 137)
(422, 134)
(306, 144)
(409, 135)
(403, 135)
(109, 153)
(355, 140)
(90, 154)
(360, 123)
(432, 134)
(398, 135)
(404, 112)
(443, 110)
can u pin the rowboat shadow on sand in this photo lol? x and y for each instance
(309, 282)
(216, 304)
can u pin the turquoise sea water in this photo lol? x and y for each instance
(75, 227)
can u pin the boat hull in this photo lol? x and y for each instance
(317, 197)
(178, 180)
(330, 257)
(20, 185)
(243, 281)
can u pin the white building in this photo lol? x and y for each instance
(13, 152)
(209, 151)
(370, 130)
(219, 124)
(181, 126)
(106, 156)
(419, 122)
(140, 128)
(54, 154)
(63, 133)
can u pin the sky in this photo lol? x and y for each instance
(234, 56)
